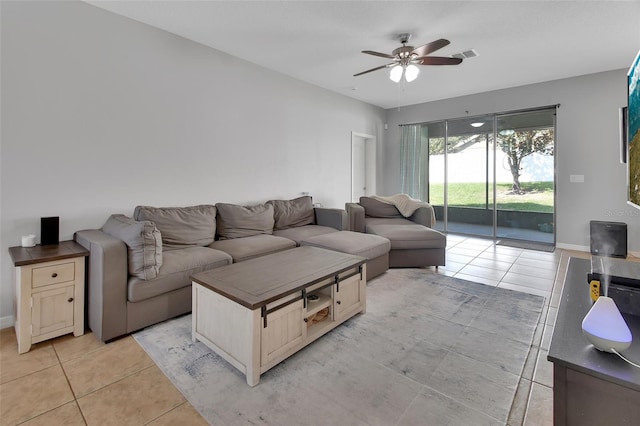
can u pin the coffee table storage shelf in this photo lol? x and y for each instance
(319, 312)
(257, 313)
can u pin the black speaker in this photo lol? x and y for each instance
(608, 238)
(49, 230)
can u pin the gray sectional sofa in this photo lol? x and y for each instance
(414, 243)
(139, 268)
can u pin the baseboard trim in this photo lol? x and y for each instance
(575, 247)
(6, 322)
(633, 254)
(630, 254)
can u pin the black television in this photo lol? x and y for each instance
(633, 133)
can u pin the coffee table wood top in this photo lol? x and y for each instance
(256, 282)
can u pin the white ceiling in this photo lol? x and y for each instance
(518, 42)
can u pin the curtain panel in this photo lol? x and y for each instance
(414, 156)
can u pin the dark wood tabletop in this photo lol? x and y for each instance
(30, 255)
(256, 282)
(570, 348)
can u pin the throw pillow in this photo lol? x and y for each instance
(292, 213)
(244, 221)
(375, 208)
(181, 226)
(144, 244)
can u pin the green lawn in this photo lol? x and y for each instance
(538, 196)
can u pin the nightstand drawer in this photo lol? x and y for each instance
(53, 274)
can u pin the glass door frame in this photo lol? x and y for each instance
(494, 119)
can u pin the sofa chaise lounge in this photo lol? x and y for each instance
(414, 243)
(139, 267)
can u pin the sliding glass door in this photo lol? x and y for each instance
(525, 169)
(470, 154)
(490, 176)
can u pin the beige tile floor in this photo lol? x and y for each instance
(78, 380)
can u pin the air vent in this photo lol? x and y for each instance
(471, 53)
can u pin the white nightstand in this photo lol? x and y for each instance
(49, 291)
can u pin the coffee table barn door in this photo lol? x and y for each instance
(283, 332)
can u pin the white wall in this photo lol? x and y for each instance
(587, 143)
(101, 113)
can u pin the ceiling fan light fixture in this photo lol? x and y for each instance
(411, 73)
(405, 59)
(396, 73)
(477, 124)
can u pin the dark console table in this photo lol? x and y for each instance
(590, 387)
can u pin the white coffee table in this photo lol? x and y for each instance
(256, 313)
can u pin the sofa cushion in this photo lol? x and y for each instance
(244, 221)
(375, 208)
(249, 247)
(181, 226)
(300, 233)
(387, 221)
(144, 244)
(365, 245)
(406, 237)
(177, 267)
(292, 213)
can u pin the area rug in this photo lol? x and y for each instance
(549, 248)
(430, 350)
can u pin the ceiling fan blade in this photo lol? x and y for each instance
(382, 55)
(438, 60)
(374, 69)
(425, 49)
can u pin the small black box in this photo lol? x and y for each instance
(608, 238)
(49, 230)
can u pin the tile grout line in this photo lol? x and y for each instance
(548, 304)
(398, 422)
(59, 364)
(537, 345)
(75, 398)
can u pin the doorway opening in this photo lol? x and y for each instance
(363, 165)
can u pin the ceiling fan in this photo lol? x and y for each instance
(405, 59)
